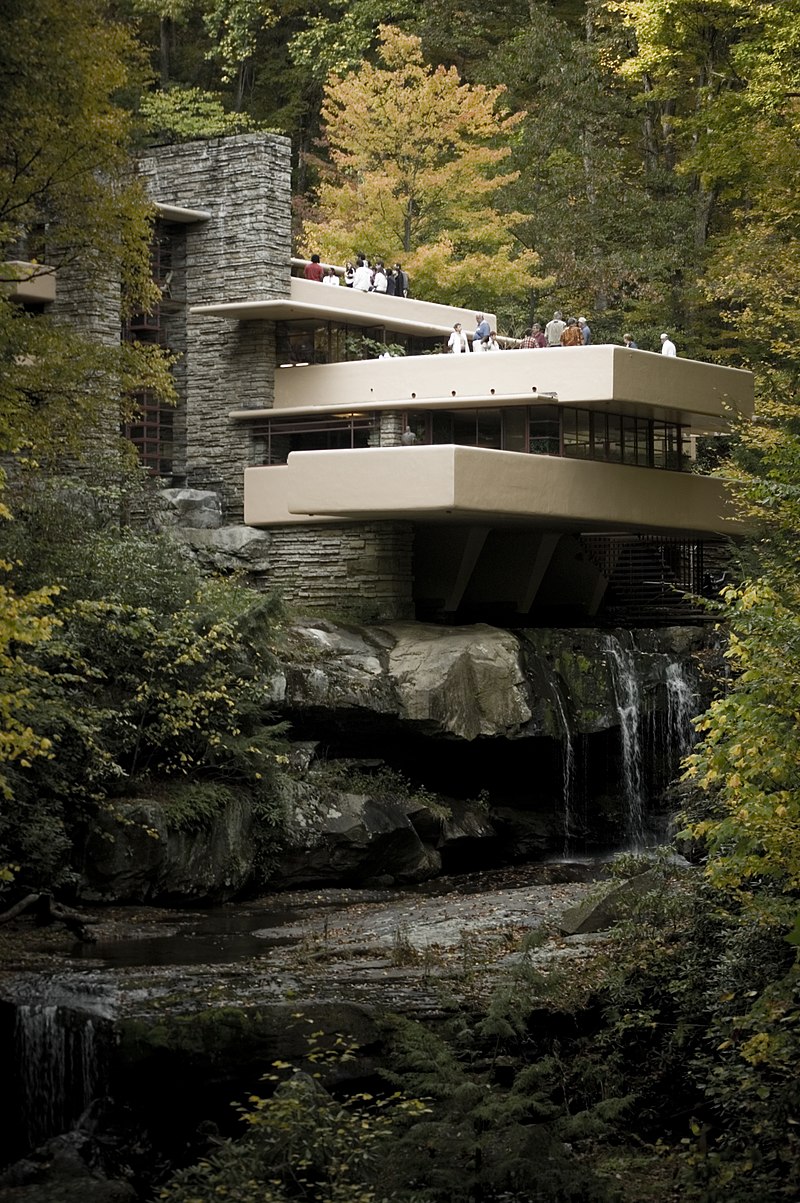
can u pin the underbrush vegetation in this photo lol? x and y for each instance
(150, 673)
(382, 782)
(668, 1073)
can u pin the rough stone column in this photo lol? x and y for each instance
(389, 429)
(242, 253)
(91, 308)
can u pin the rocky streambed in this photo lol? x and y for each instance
(418, 755)
(384, 947)
(138, 1047)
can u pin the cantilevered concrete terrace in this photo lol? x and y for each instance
(542, 481)
(449, 484)
(310, 300)
(702, 396)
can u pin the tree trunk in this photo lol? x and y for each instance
(165, 30)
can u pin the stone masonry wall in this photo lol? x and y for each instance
(92, 307)
(172, 316)
(358, 572)
(241, 254)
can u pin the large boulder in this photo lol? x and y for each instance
(196, 508)
(335, 836)
(228, 548)
(459, 681)
(133, 854)
(599, 913)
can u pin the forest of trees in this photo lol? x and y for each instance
(636, 160)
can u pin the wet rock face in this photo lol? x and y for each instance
(533, 719)
(472, 682)
(132, 855)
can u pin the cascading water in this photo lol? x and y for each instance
(568, 772)
(681, 709)
(59, 1046)
(628, 702)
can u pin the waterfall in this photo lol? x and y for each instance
(681, 709)
(568, 773)
(59, 1051)
(627, 701)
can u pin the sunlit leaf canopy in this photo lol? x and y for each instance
(417, 175)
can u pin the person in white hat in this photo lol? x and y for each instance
(667, 345)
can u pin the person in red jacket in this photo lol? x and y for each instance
(313, 270)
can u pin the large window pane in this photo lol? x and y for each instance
(544, 430)
(514, 429)
(673, 447)
(644, 443)
(614, 438)
(464, 427)
(442, 427)
(489, 428)
(577, 433)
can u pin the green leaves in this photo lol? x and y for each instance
(157, 676)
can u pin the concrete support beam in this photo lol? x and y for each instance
(541, 562)
(470, 553)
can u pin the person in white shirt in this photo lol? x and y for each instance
(667, 345)
(457, 342)
(554, 329)
(362, 280)
(379, 279)
(330, 277)
(492, 344)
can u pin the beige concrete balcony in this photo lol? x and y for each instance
(310, 300)
(702, 396)
(28, 283)
(452, 484)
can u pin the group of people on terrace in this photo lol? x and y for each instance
(559, 332)
(572, 332)
(484, 338)
(392, 281)
(362, 275)
(576, 332)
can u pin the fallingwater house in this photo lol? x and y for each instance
(542, 488)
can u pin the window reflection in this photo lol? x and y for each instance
(540, 430)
